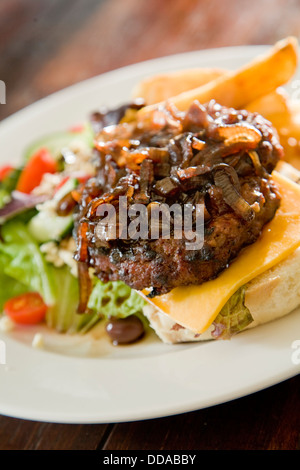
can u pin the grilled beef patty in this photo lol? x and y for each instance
(211, 155)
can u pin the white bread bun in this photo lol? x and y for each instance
(269, 296)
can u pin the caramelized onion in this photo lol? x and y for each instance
(82, 244)
(82, 258)
(133, 158)
(191, 171)
(146, 179)
(256, 162)
(122, 189)
(197, 144)
(66, 205)
(210, 153)
(106, 117)
(197, 115)
(166, 186)
(220, 150)
(85, 286)
(230, 172)
(231, 195)
(237, 134)
(96, 203)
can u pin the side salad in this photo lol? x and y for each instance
(38, 273)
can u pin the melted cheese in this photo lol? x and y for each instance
(196, 307)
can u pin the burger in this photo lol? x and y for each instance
(225, 168)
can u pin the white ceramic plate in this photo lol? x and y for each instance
(86, 380)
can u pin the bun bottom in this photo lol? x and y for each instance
(269, 296)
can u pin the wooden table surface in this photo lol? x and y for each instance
(48, 45)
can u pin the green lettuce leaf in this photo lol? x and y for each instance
(7, 185)
(63, 316)
(9, 287)
(233, 317)
(116, 299)
(25, 263)
(4, 197)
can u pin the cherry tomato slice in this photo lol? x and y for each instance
(76, 129)
(26, 309)
(40, 163)
(4, 171)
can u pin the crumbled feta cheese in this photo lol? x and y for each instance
(61, 254)
(38, 341)
(6, 324)
(49, 207)
(79, 158)
(51, 252)
(67, 258)
(48, 184)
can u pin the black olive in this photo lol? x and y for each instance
(125, 330)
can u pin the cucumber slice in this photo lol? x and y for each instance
(56, 141)
(69, 185)
(45, 226)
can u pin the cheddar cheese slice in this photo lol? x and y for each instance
(196, 307)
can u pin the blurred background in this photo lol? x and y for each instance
(48, 45)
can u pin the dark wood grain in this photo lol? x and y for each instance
(243, 424)
(48, 45)
(18, 434)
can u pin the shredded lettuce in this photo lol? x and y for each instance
(233, 318)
